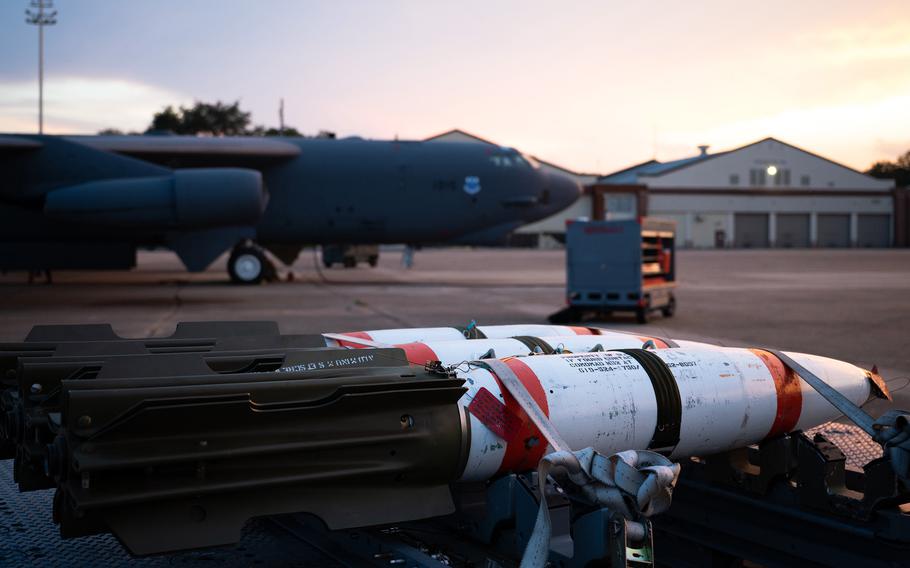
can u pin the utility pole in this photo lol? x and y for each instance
(653, 140)
(42, 14)
(281, 118)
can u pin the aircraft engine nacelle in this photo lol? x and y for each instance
(187, 199)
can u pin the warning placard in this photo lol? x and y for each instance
(495, 415)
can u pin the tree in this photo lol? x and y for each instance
(899, 170)
(263, 131)
(217, 119)
(168, 120)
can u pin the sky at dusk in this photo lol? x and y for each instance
(594, 86)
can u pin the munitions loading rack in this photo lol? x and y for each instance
(824, 497)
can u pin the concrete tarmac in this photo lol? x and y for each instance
(847, 304)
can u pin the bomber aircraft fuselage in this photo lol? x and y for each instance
(90, 201)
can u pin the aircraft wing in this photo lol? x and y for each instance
(193, 150)
(13, 143)
(200, 196)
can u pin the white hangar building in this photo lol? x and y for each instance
(765, 194)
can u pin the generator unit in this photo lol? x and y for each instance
(619, 266)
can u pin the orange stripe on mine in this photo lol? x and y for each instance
(581, 330)
(789, 394)
(529, 446)
(357, 334)
(418, 353)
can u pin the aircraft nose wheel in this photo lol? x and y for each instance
(248, 264)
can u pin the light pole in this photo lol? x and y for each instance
(42, 14)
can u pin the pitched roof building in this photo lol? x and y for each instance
(764, 194)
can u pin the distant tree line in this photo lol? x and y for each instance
(207, 119)
(898, 170)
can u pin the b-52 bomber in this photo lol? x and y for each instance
(89, 202)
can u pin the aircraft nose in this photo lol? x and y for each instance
(563, 191)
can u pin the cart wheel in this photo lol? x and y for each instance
(641, 315)
(373, 260)
(669, 309)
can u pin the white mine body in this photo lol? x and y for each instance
(729, 398)
(535, 330)
(410, 335)
(454, 352)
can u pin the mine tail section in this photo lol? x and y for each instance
(196, 457)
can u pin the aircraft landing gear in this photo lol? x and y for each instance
(248, 264)
(349, 255)
(33, 274)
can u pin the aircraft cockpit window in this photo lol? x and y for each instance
(513, 161)
(531, 161)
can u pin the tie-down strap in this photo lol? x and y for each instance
(856, 414)
(891, 430)
(516, 388)
(631, 483)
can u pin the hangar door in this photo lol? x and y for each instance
(834, 231)
(750, 230)
(873, 231)
(792, 230)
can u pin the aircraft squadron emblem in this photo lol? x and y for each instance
(471, 185)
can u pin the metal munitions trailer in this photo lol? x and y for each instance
(619, 266)
(798, 499)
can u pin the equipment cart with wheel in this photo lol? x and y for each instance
(349, 255)
(619, 266)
